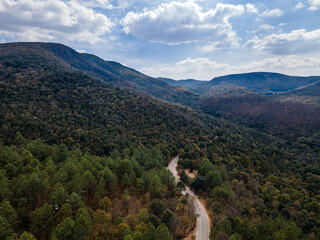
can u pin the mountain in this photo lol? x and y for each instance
(263, 82)
(259, 82)
(61, 56)
(190, 84)
(310, 90)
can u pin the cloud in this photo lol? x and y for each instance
(314, 5)
(296, 42)
(95, 3)
(197, 68)
(299, 5)
(36, 20)
(178, 22)
(251, 8)
(266, 27)
(205, 69)
(272, 13)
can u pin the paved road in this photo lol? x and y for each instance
(203, 227)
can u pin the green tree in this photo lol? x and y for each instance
(65, 230)
(168, 219)
(213, 178)
(143, 215)
(150, 232)
(156, 207)
(27, 236)
(235, 236)
(42, 221)
(162, 232)
(105, 204)
(137, 236)
(181, 186)
(57, 196)
(8, 212)
(5, 228)
(83, 225)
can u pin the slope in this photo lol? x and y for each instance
(112, 72)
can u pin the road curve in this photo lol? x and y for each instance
(203, 227)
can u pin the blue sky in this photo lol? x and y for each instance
(177, 39)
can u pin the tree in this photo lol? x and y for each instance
(162, 232)
(137, 236)
(101, 221)
(143, 215)
(213, 178)
(235, 236)
(65, 230)
(167, 218)
(181, 186)
(150, 232)
(121, 231)
(42, 221)
(154, 220)
(83, 225)
(27, 236)
(5, 228)
(57, 196)
(156, 207)
(75, 201)
(64, 211)
(105, 204)
(8, 212)
(4, 185)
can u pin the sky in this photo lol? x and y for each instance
(177, 39)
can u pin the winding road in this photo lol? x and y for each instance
(203, 227)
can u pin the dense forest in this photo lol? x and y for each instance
(83, 156)
(49, 192)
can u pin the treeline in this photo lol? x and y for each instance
(49, 192)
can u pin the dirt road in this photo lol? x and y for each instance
(203, 226)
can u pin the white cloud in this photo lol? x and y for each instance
(205, 69)
(314, 5)
(36, 20)
(296, 42)
(251, 8)
(299, 5)
(95, 3)
(272, 13)
(197, 68)
(266, 27)
(178, 22)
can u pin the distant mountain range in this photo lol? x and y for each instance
(260, 82)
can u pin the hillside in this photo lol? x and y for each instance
(312, 90)
(61, 56)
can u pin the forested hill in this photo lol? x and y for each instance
(83, 156)
(43, 98)
(61, 56)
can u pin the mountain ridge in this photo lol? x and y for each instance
(113, 72)
(260, 82)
